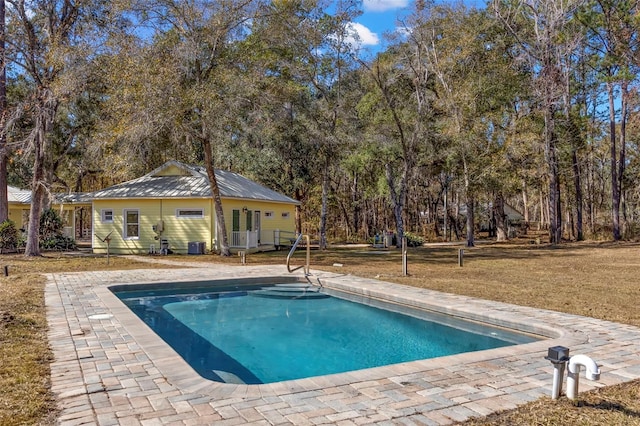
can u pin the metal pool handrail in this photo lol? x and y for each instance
(293, 249)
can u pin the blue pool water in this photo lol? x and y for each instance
(269, 334)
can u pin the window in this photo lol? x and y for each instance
(268, 215)
(106, 215)
(285, 215)
(190, 213)
(131, 224)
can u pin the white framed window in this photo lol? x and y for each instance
(285, 215)
(269, 214)
(106, 215)
(190, 213)
(131, 229)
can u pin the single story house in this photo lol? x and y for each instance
(171, 209)
(72, 208)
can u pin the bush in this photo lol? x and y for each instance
(413, 240)
(8, 235)
(58, 242)
(51, 232)
(50, 224)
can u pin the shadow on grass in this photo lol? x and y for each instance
(445, 255)
(448, 254)
(609, 406)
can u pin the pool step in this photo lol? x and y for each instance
(289, 291)
(229, 377)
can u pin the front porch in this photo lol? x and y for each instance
(260, 239)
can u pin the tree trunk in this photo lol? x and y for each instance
(355, 199)
(615, 188)
(43, 126)
(398, 198)
(501, 222)
(470, 199)
(525, 202)
(555, 214)
(624, 89)
(4, 202)
(37, 193)
(217, 201)
(471, 222)
(578, 188)
(298, 197)
(323, 208)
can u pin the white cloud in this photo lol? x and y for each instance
(359, 35)
(384, 5)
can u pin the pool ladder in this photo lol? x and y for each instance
(293, 249)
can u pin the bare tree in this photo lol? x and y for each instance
(612, 30)
(539, 26)
(41, 41)
(4, 202)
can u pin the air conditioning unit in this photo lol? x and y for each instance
(195, 247)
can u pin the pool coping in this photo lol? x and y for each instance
(103, 365)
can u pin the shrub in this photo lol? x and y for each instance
(50, 224)
(58, 242)
(413, 240)
(51, 232)
(8, 235)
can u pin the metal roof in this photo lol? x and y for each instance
(192, 183)
(23, 196)
(17, 195)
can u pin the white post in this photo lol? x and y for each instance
(404, 257)
(558, 374)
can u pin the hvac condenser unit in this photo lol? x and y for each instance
(195, 247)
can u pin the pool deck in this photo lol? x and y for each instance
(110, 369)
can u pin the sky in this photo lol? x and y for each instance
(380, 16)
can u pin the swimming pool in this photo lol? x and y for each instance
(264, 331)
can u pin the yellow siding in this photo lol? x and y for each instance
(180, 231)
(19, 215)
(177, 231)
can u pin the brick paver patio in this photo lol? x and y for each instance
(110, 369)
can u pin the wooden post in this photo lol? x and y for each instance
(108, 240)
(6, 270)
(460, 257)
(405, 272)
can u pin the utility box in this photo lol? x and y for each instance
(195, 247)
(164, 246)
(558, 354)
(388, 239)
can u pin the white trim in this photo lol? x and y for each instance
(103, 216)
(269, 214)
(124, 224)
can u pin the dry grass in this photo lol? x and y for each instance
(593, 279)
(613, 405)
(25, 396)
